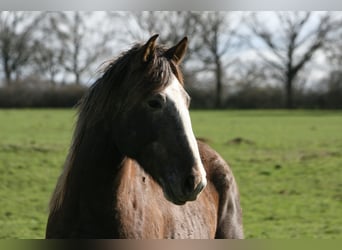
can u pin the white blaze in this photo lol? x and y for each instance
(176, 93)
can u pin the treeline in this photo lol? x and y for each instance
(235, 59)
(327, 95)
(66, 96)
(269, 98)
(51, 97)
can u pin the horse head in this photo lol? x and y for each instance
(153, 124)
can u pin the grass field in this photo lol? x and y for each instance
(288, 166)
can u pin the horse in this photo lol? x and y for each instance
(135, 169)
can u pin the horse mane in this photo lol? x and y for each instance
(125, 76)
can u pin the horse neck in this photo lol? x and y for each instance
(94, 163)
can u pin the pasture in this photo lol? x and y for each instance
(288, 166)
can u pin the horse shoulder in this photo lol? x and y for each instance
(229, 224)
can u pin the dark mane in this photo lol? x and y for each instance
(125, 76)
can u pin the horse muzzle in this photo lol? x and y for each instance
(193, 186)
(187, 190)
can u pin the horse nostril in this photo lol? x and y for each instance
(189, 185)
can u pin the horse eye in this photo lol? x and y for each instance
(155, 104)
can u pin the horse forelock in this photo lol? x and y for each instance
(128, 76)
(125, 76)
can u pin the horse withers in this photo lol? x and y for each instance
(135, 169)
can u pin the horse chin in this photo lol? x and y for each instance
(173, 199)
(170, 196)
(178, 203)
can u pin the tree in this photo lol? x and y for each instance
(172, 26)
(217, 37)
(47, 61)
(49, 55)
(334, 52)
(211, 36)
(333, 82)
(82, 44)
(17, 42)
(291, 44)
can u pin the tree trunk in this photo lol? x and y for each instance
(218, 97)
(8, 75)
(289, 93)
(77, 76)
(52, 79)
(6, 67)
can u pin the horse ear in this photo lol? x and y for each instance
(177, 52)
(149, 47)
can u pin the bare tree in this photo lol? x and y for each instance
(82, 44)
(217, 33)
(333, 82)
(291, 44)
(334, 52)
(17, 41)
(211, 36)
(48, 61)
(49, 54)
(170, 25)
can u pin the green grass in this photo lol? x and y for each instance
(33, 145)
(288, 166)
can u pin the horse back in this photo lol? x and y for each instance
(220, 175)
